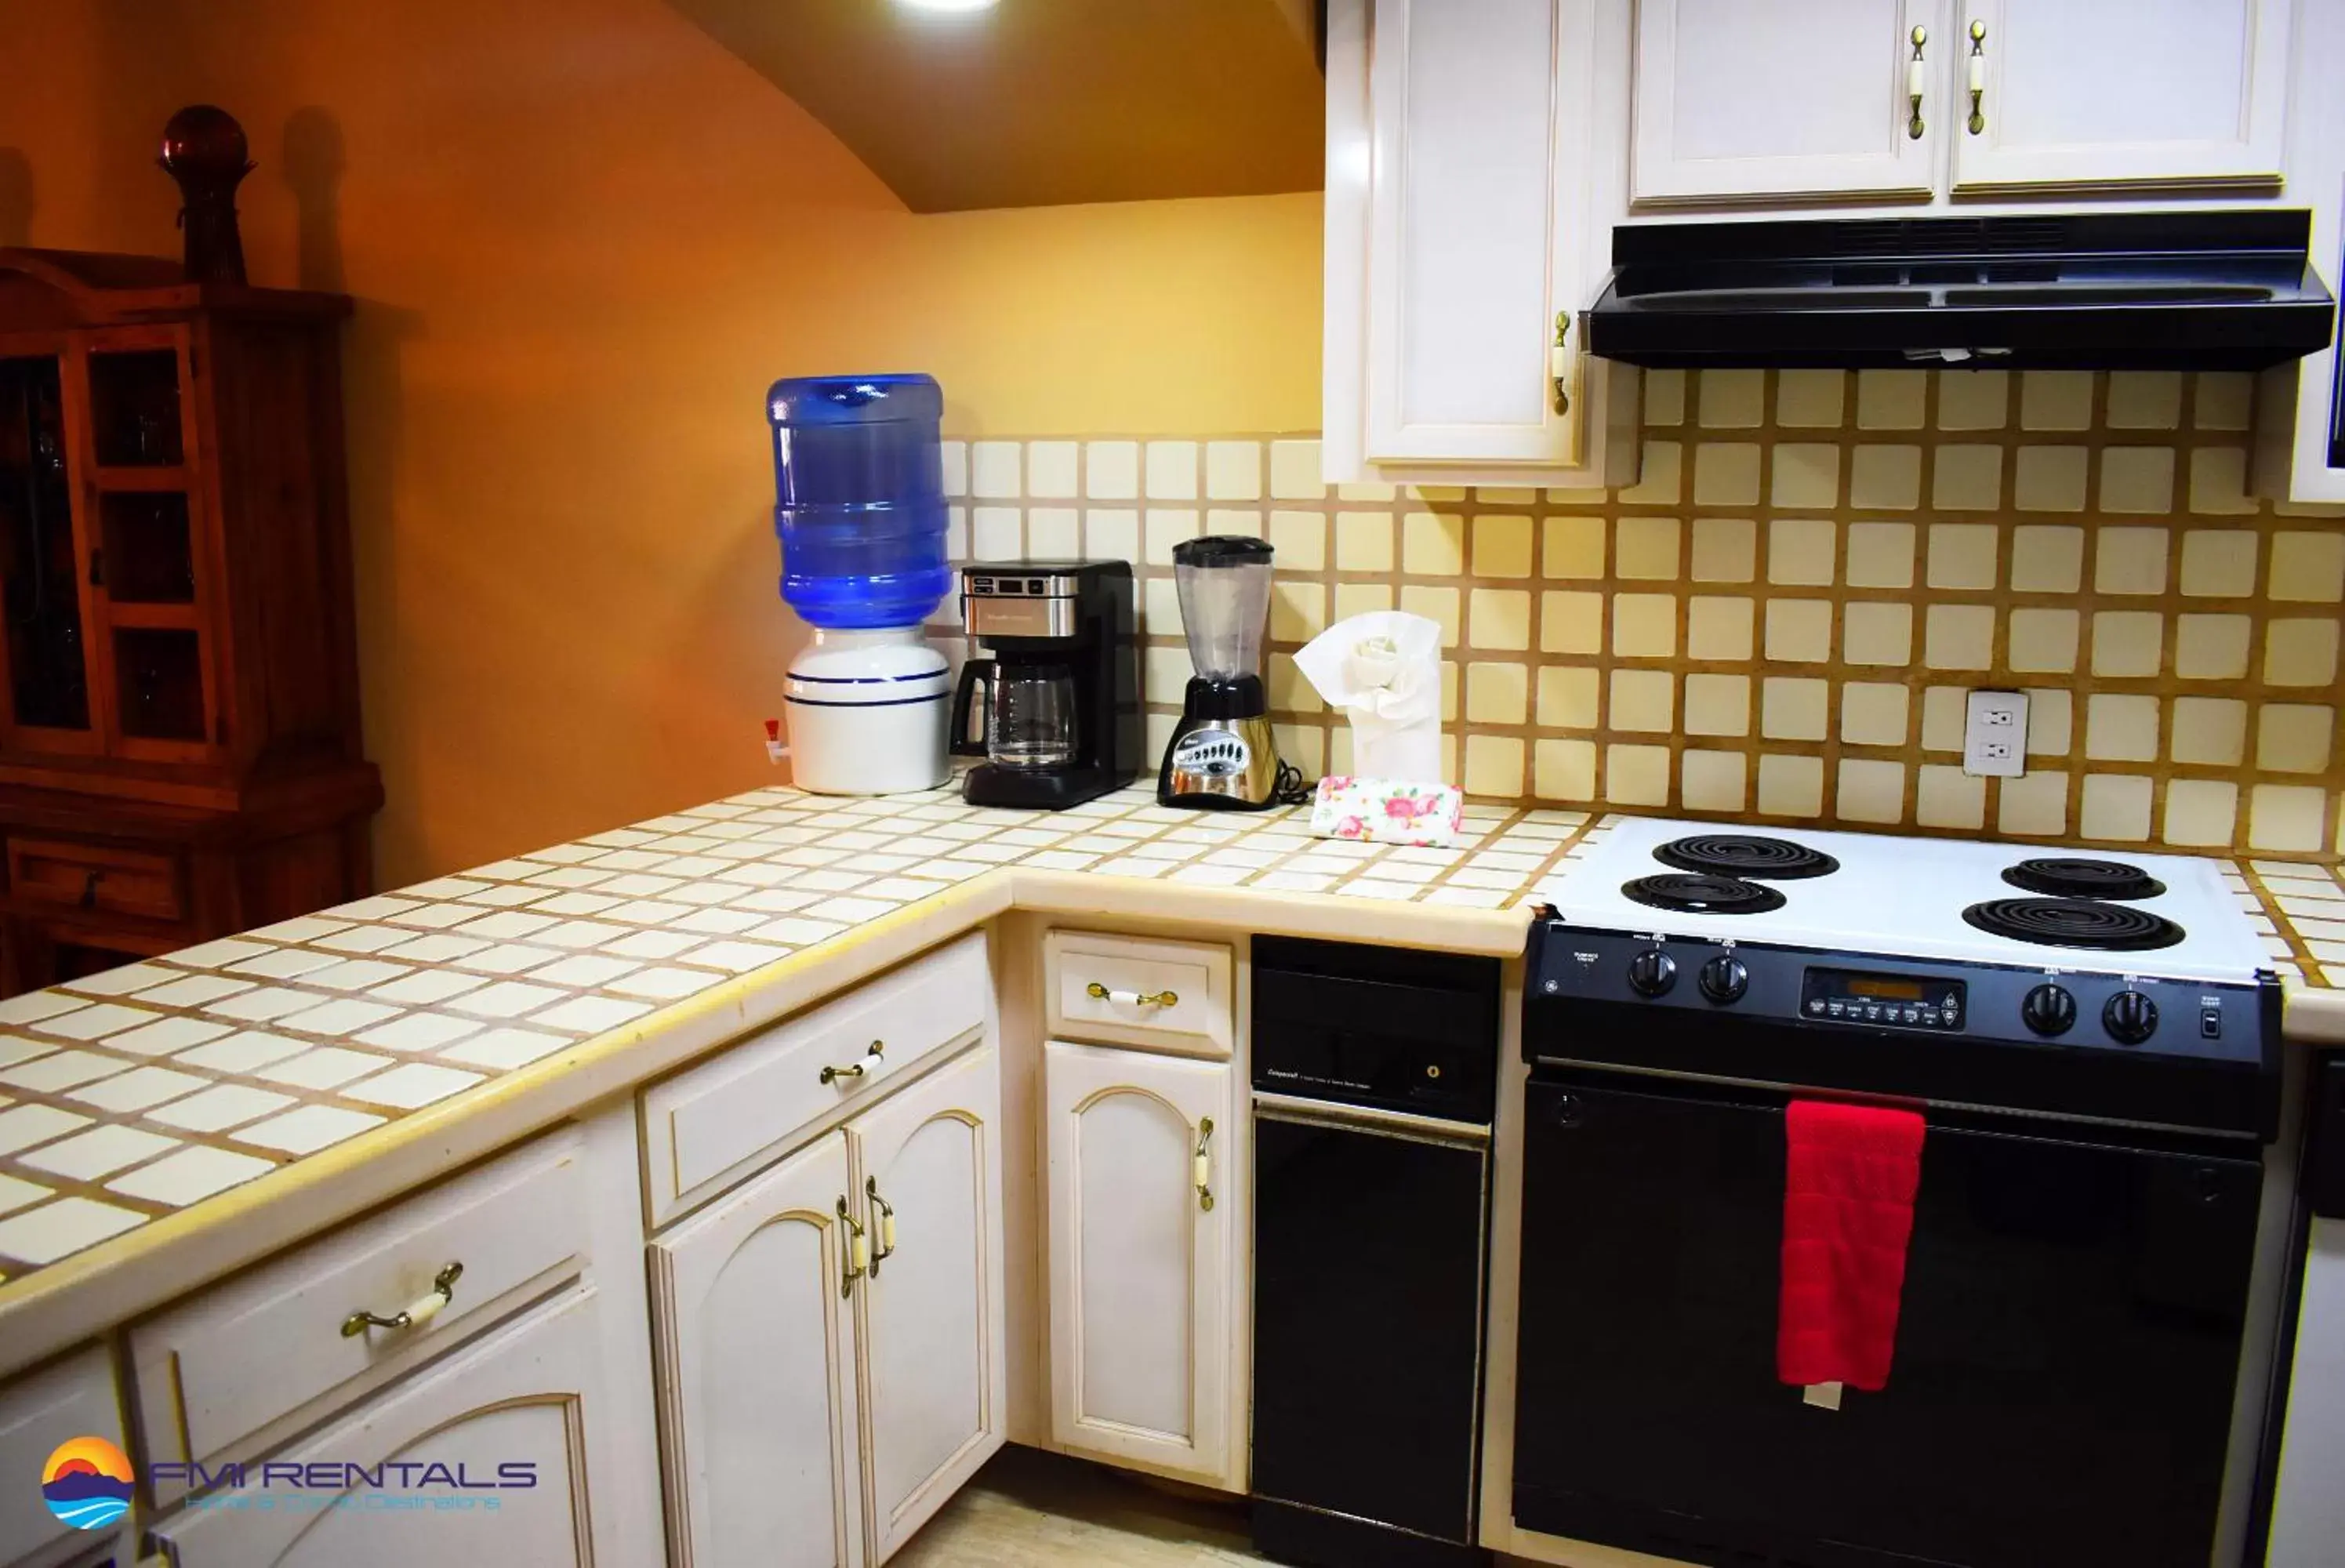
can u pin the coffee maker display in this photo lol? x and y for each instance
(1222, 755)
(1059, 721)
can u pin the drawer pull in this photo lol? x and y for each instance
(1098, 993)
(1201, 1172)
(885, 1225)
(873, 1060)
(416, 1313)
(858, 1251)
(90, 890)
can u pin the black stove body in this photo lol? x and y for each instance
(2078, 1373)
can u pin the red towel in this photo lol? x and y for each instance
(1848, 1212)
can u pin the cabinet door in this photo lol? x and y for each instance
(528, 1401)
(1737, 101)
(1141, 1274)
(2123, 93)
(934, 1382)
(159, 594)
(48, 699)
(757, 1349)
(1474, 232)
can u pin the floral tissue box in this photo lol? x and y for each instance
(1386, 811)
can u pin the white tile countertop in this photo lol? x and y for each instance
(163, 1122)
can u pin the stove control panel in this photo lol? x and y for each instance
(1843, 994)
(1894, 1001)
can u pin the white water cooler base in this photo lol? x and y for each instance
(867, 712)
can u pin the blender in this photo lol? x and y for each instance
(1222, 755)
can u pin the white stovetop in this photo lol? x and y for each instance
(1905, 897)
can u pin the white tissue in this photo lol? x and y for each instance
(1383, 671)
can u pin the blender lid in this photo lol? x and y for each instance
(1222, 550)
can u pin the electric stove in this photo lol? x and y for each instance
(2093, 1042)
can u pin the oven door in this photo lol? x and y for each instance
(2066, 1355)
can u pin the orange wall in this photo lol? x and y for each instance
(584, 238)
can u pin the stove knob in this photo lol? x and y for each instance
(1724, 979)
(1652, 972)
(2130, 1018)
(2049, 1010)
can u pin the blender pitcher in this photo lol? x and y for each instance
(1222, 754)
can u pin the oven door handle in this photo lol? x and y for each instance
(1368, 1120)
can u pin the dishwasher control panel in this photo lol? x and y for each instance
(1389, 1027)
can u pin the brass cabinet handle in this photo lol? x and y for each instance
(1098, 993)
(884, 1224)
(1558, 362)
(1202, 1170)
(416, 1313)
(1913, 69)
(1978, 74)
(858, 1251)
(873, 1059)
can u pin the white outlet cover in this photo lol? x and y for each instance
(1995, 734)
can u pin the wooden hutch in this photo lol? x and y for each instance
(180, 748)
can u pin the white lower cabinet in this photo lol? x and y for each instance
(934, 1380)
(818, 1412)
(757, 1349)
(514, 1407)
(1142, 1281)
(71, 1398)
(510, 1424)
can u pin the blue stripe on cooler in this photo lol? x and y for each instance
(890, 703)
(867, 680)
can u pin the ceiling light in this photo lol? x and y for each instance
(946, 4)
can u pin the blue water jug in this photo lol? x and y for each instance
(858, 485)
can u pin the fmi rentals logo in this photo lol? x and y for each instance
(88, 1483)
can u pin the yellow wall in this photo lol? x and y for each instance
(584, 238)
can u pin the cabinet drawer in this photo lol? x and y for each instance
(217, 1369)
(713, 1124)
(1135, 973)
(69, 1399)
(96, 877)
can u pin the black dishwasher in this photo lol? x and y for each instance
(1374, 1076)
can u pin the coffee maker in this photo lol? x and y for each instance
(1060, 720)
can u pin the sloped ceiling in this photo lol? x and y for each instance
(1036, 102)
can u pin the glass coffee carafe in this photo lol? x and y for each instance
(1029, 714)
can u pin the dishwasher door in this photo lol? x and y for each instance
(1368, 1298)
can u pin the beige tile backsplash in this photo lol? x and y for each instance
(1781, 618)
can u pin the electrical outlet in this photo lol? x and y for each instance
(1995, 734)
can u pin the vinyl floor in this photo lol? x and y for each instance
(1027, 1509)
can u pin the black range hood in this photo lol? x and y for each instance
(2222, 290)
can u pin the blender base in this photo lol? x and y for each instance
(1220, 764)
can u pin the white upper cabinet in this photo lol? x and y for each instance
(1746, 99)
(2121, 93)
(1792, 104)
(1461, 236)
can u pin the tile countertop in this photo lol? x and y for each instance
(165, 1122)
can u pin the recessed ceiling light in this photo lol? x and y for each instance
(946, 4)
